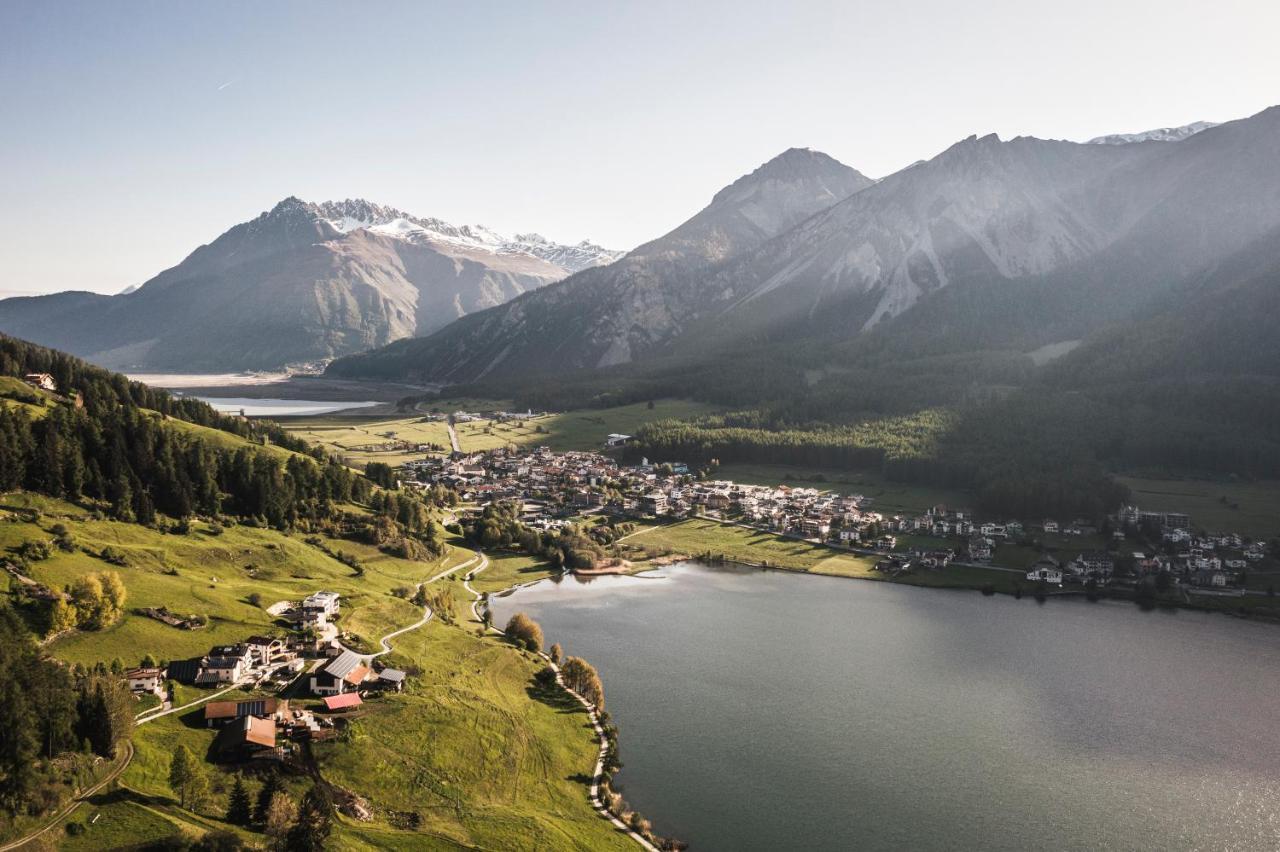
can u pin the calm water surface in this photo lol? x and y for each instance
(277, 407)
(765, 710)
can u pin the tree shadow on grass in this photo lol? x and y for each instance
(554, 697)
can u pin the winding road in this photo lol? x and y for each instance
(476, 564)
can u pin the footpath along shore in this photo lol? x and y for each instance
(597, 776)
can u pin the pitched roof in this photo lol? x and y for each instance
(357, 675)
(340, 702)
(343, 664)
(260, 731)
(393, 675)
(236, 709)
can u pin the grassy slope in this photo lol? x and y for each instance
(212, 579)
(468, 749)
(698, 536)
(572, 430)
(467, 722)
(1257, 515)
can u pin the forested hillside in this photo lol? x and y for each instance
(102, 437)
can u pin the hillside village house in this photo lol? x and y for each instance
(226, 664)
(148, 679)
(318, 609)
(43, 381)
(344, 673)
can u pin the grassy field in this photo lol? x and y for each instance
(485, 760)
(572, 430)
(889, 497)
(699, 536)
(1249, 508)
(206, 574)
(696, 536)
(472, 747)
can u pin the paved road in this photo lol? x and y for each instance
(385, 641)
(453, 437)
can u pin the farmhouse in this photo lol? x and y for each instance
(44, 381)
(248, 737)
(148, 679)
(344, 673)
(218, 713)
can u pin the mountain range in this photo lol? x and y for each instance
(1058, 238)
(299, 283)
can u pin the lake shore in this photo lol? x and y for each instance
(981, 653)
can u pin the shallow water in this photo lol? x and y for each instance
(768, 710)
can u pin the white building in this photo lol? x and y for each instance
(319, 608)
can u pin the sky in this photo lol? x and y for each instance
(133, 132)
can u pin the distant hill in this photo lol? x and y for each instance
(301, 282)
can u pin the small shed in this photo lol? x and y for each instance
(345, 701)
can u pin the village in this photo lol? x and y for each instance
(281, 673)
(553, 488)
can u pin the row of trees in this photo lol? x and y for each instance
(137, 465)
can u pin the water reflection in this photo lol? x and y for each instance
(761, 707)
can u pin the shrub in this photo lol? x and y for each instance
(524, 631)
(582, 678)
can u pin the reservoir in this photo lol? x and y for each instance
(765, 710)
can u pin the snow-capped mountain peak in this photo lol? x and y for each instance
(1160, 134)
(354, 214)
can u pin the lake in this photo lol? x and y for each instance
(762, 710)
(277, 407)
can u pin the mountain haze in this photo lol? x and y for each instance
(614, 314)
(1056, 236)
(298, 283)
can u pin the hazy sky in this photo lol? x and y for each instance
(134, 132)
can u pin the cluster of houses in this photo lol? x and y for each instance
(555, 486)
(265, 727)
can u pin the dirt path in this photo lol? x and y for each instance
(70, 806)
(453, 437)
(597, 776)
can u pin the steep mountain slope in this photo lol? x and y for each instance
(612, 315)
(301, 282)
(1085, 232)
(1100, 225)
